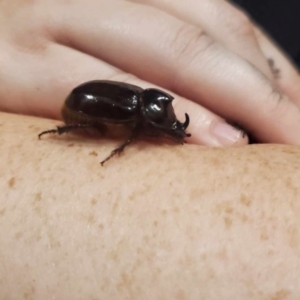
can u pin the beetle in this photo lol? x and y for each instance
(108, 105)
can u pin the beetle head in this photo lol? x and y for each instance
(158, 114)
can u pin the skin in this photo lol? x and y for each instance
(162, 221)
(159, 222)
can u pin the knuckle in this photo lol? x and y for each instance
(240, 24)
(188, 42)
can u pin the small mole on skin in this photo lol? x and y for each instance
(91, 219)
(70, 145)
(280, 295)
(38, 197)
(29, 294)
(115, 206)
(228, 222)
(2, 212)
(216, 162)
(244, 218)
(228, 210)
(224, 207)
(12, 182)
(222, 254)
(176, 209)
(127, 280)
(203, 256)
(34, 127)
(18, 235)
(289, 150)
(245, 200)
(164, 211)
(93, 201)
(196, 212)
(180, 295)
(264, 236)
(38, 210)
(293, 235)
(93, 153)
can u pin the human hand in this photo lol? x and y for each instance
(207, 52)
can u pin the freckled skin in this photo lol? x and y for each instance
(11, 182)
(184, 226)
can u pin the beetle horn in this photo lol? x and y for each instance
(187, 122)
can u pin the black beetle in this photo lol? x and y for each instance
(104, 105)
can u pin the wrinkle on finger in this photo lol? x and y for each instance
(188, 42)
(288, 79)
(224, 22)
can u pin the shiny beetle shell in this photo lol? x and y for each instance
(103, 104)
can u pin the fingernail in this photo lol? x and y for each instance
(226, 134)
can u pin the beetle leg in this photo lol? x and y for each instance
(121, 148)
(178, 140)
(63, 129)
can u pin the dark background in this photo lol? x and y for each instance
(281, 19)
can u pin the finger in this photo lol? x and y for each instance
(233, 28)
(44, 90)
(207, 128)
(286, 75)
(222, 21)
(180, 57)
(38, 83)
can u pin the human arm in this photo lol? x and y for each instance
(158, 222)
